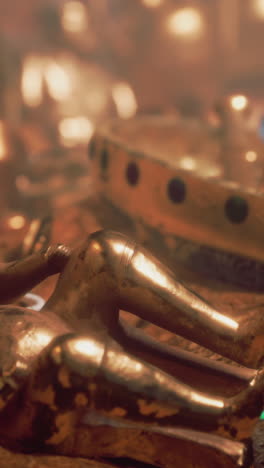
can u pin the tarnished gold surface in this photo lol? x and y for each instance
(75, 362)
(112, 273)
(17, 277)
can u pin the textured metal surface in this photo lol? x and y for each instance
(73, 224)
(59, 377)
(17, 277)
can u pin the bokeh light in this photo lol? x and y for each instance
(188, 163)
(3, 143)
(239, 102)
(258, 8)
(16, 222)
(152, 3)
(74, 17)
(58, 81)
(251, 156)
(75, 130)
(185, 22)
(32, 81)
(125, 100)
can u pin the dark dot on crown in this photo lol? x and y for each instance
(236, 209)
(132, 173)
(176, 190)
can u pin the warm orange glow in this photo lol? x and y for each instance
(258, 7)
(32, 81)
(35, 71)
(33, 342)
(16, 222)
(152, 3)
(74, 17)
(3, 146)
(186, 22)
(125, 100)
(87, 351)
(251, 156)
(86, 347)
(58, 81)
(188, 163)
(239, 102)
(75, 130)
(149, 269)
(206, 400)
(122, 249)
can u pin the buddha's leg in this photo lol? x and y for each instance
(79, 374)
(138, 342)
(109, 272)
(20, 276)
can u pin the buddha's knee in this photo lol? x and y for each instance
(106, 252)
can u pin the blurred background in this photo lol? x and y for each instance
(68, 65)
